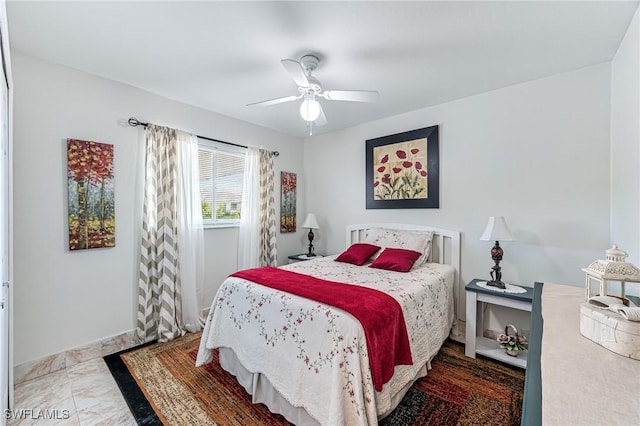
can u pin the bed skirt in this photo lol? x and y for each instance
(262, 392)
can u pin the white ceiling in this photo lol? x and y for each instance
(221, 56)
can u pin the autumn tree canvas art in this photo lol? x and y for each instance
(91, 195)
(289, 183)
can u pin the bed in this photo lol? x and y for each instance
(309, 361)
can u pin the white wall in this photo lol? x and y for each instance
(536, 153)
(65, 299)
(625, 143)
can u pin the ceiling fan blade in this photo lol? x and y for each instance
(351, 95)
(295, 70)
(275, 101)
(322, 119)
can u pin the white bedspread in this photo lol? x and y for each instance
(315, 355)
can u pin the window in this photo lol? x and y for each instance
(221, 176)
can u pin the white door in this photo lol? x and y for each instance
(4, 243)
(6, 297)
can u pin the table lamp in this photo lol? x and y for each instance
(311, 223)
(496, 230)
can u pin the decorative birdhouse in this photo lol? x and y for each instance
(615, 269)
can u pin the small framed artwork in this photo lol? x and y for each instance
(289, 184)
(402, 170)
(91, 219)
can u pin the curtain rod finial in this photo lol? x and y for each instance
(135, 122)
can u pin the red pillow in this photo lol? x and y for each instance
(396, 259)
(357, 254)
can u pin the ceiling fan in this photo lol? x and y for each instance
(309, 90)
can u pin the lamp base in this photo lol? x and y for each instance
(310, 236)
(498, 284)
(496, 270)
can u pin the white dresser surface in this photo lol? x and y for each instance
(582, 382)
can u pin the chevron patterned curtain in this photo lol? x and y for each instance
(159, 298)
(268, 252)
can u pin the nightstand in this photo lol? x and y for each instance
(475, 343)
(302, 257)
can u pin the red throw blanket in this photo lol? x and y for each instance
(380, 314)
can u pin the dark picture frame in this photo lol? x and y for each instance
(403, 170)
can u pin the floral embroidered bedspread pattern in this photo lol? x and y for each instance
(305, 348)
(379, 314)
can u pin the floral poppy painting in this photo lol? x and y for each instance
(403, 170)
(400, 171)
(91, 214)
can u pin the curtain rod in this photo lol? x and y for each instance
(135, 122)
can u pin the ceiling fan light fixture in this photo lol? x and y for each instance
(310, 109)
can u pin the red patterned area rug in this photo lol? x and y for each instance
(162, 386)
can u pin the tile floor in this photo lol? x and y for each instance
(86, 391)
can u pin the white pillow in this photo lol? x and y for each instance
(419, 241)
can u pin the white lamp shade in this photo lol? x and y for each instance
(310, 109)
(496, 230)
(311, 222)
